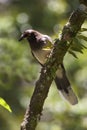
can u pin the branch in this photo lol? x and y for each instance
(83, 2)
(33, 112)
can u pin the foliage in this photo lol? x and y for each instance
(77, 43)
(5, 105)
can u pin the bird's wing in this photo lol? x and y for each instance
(48, 44)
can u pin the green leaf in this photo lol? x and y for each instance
(82, 37)
(77, 50)
(72, 53)
(83, 29)
(4, 104)
(77, 45)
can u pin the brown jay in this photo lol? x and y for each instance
(41, 46)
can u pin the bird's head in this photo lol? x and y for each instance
(32, 37)
(26, 34)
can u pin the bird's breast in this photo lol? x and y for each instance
(41, 55)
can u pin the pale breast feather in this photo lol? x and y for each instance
(41, 55)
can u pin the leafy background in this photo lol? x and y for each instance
(19, 70)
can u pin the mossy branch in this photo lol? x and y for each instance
(61, 46)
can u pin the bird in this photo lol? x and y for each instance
(41, 46)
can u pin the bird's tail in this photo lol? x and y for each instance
(64, 86)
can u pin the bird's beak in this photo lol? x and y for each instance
(21, 37)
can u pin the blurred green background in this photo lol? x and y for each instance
(19, 70)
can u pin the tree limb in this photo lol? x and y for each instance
(47, 75)
(83, 2)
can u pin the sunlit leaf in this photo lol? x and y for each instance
(72, 53)
(4, 104)
(83, 29)
(77, 45)
(82, 37)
